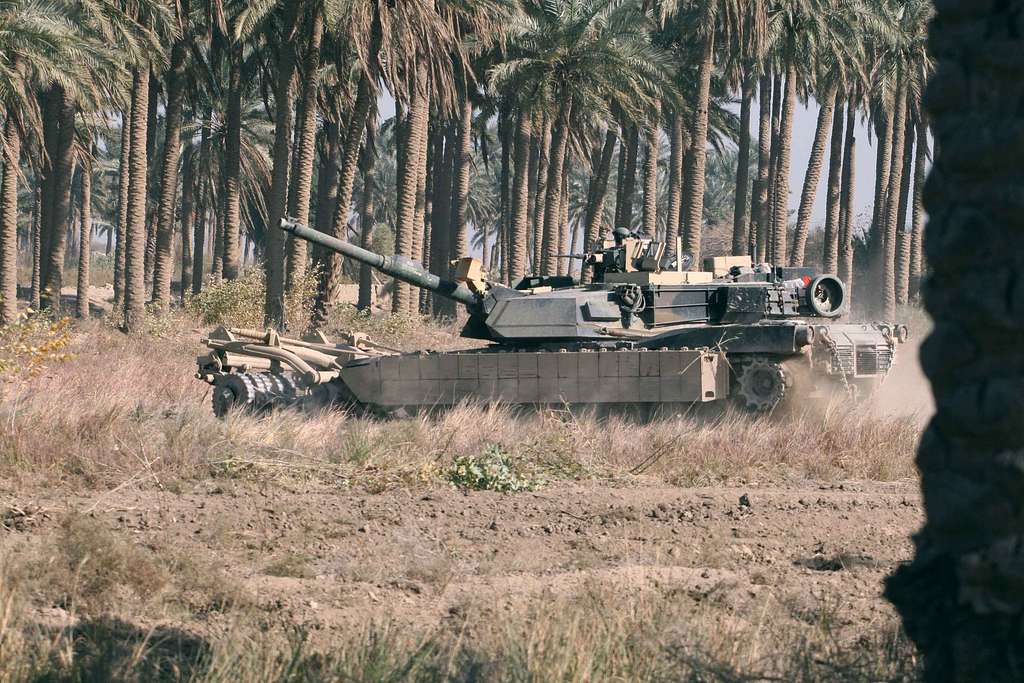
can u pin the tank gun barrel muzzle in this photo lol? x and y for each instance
(398, 267)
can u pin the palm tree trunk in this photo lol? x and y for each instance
(460, 183)
(205, 198)
(675, 184)
(813, 175)
(327, 174)
(627, 181)
(503, 237)
(741, 210)
(552, 202)
(884, 132)
(84, 237)
(773, 164)
(902, 236)
(650, 216)
(960, 598)
(408, 185)
(305, 153)
(366, 213)
(697, 159)
(440, 243)
(282, 160)
(163, 263)
(563, 222)
(761, 188)
(11, 151)
(531, 193)
(423, 160)
(892, 204)
(846, 196)
(152, 116)
(188, 213)
(63, 165)
(520, 197)
(830, 260)
(232, 167)
(135, 233)
(540, 198)
(781, 221)
(37, 244)
(917, 223)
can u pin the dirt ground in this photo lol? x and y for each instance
(324, 559)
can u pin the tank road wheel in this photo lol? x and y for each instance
(233, 392)
(761, 384)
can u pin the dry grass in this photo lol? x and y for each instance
(597, 634)
(127, 411)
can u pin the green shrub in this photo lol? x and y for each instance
(494, 470)
(240, 302)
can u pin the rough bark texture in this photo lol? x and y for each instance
(814, 165)
(188, 213)
(846, 197)
(63, 167)
(917, 220)
(460, 183)
(675, 183)
(764, 146)
(232, 168)
(697, 159)
(883, 159)
(650, 215)
(367, 215)
(773, 165)
(135, 234)
(440, 244)
(205, 198)
(741, 209)
(552, 202)
(84, 238)
(9, 223)
(281, 156)
(540, 197)
(780, 227)
(902, 236)
(305, 149)
(520, 198)
(163, 265)
(408, 184)
(627, 179)
(36, 246)
(152, 117)
(962, 597)
(830, 256)
(892, 203)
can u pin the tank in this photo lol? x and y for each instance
(648, 331)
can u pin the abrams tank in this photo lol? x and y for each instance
(648, 331)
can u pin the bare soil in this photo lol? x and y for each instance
(326, 560)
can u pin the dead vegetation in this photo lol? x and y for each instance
(90, 593)
(127, 412)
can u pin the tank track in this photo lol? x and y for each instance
(255, 392)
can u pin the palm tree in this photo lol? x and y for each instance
(960, 598)
(583, 57)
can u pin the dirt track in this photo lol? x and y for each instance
(327, 559)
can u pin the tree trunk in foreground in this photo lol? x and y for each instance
(780, 227)
(552, 202)
(232, 169)
(846, 197)
(962, 597)
(62, 164)
(650, 215)
(520, 198)
(764, 146)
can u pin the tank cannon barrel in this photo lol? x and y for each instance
(398, 267)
